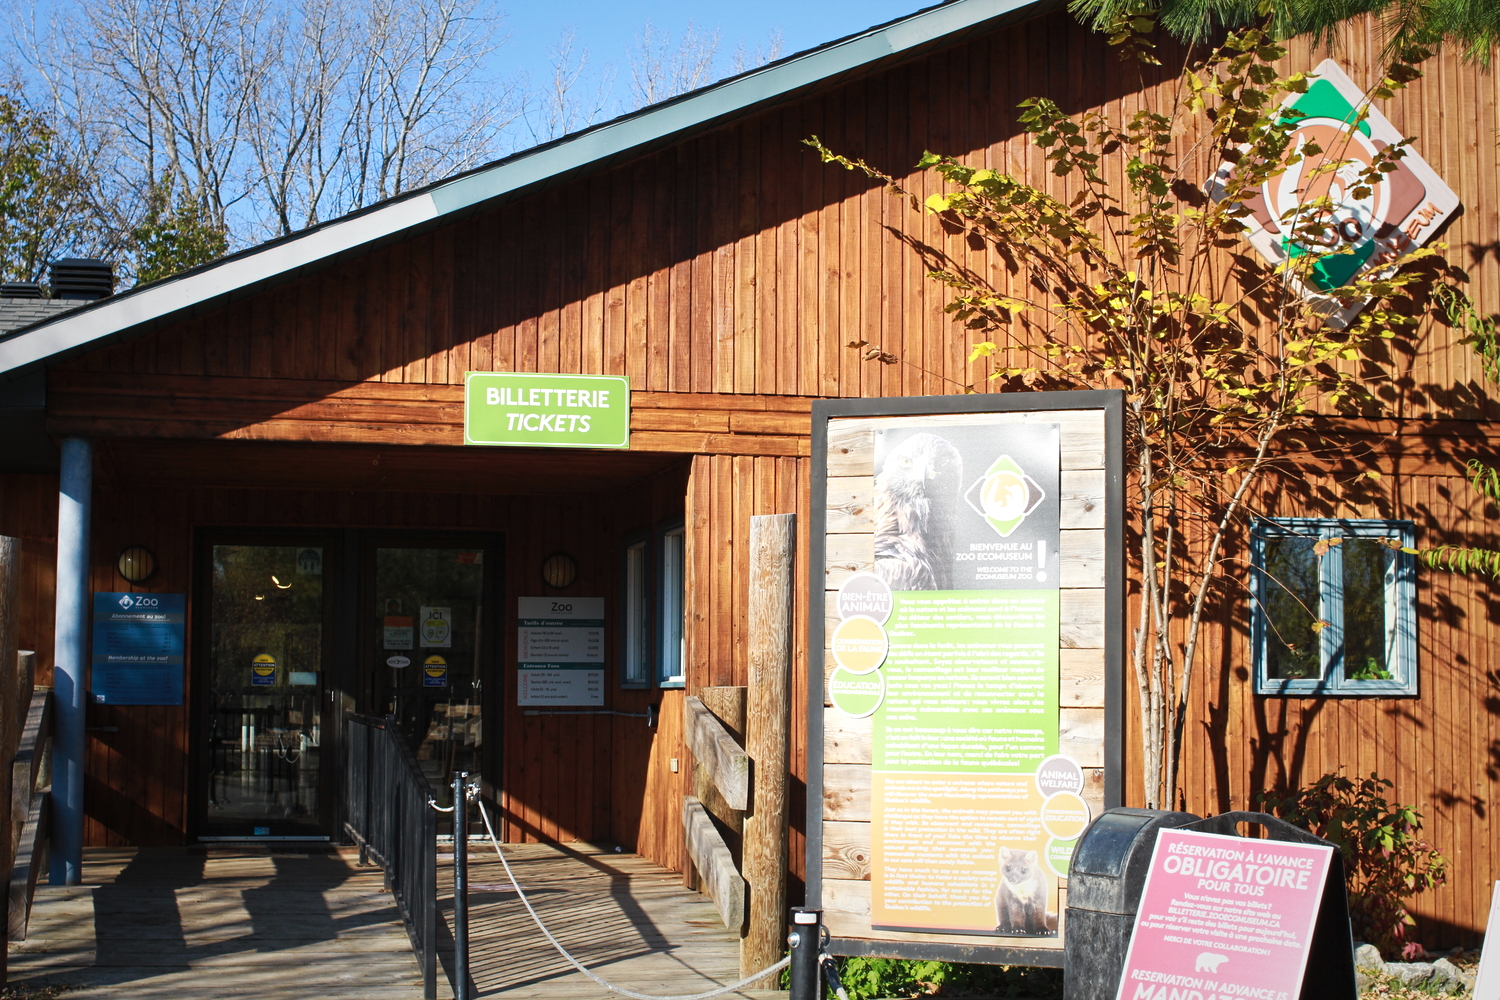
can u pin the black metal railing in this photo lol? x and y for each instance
(389, 815)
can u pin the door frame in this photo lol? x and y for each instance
(200, 762)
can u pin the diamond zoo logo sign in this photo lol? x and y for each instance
(1364, 234)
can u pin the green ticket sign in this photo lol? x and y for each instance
(533, 410)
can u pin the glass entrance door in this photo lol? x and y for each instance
(267, 648)
(425, 640)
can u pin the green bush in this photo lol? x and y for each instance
(1386, 861)
(876, 978)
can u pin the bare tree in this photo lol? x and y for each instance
(661, 69)
(249, 119)
(143, 94)
(744, 60)
(570, 101)
(374, 99)
(271, 116)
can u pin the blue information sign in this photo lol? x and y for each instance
(138, 649)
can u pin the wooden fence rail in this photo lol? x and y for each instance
(30, 811)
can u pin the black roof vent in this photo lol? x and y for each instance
(82, 279)
(21, 290)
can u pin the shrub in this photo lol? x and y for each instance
(1386, 860)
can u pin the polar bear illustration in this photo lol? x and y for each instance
(1209, 962)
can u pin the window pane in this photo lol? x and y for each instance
(671, 606)
(1291, 609)
(637, 624)
(1369, 621)
(265, 677)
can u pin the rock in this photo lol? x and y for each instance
(1362, 981)
(1445, 971)
(1367, 958)
(1410, 973)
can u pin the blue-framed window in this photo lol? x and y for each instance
(671, 637)
(1334, 607)
(635, 625)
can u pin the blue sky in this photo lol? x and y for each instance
(608, 30)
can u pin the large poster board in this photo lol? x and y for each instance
(963, 699)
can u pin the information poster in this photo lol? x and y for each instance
(560, 651)
(950, 645)
(138, 649)
(1225, 917)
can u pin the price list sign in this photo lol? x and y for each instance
(560, 651)
(138, 649)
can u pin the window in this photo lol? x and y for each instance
(669, 670)
(1334, 607)
(636, 672)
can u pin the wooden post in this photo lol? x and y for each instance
(13, 705)
(773, 545)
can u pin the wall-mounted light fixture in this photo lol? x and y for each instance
(559, 570)
(136, 564)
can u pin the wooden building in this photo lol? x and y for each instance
(306, 396)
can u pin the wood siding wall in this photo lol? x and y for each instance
(725, 492)
(28, 511)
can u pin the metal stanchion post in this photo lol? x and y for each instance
(806, 941)
(460, 886)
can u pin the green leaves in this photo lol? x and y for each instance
(177, 233)
(1386, 861)
(1462, 559)
(45, 206)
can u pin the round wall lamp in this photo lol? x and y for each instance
(559, 570)
(136, 564)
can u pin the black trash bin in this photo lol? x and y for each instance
(1105, 879)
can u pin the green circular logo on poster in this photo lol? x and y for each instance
(856, 695)
(1059, 854)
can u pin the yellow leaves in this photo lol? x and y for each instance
(982, 350)
(1322, 545)
(937, 204)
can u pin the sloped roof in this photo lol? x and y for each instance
(139, 310)
(16, 314)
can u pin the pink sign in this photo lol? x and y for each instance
(1224, 918)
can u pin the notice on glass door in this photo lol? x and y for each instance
(560, 651)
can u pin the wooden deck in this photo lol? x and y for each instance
(628, 920)
(285, 923)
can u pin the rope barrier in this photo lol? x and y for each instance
(732, 988)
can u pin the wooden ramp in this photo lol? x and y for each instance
(629, 920)
(287, 923)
